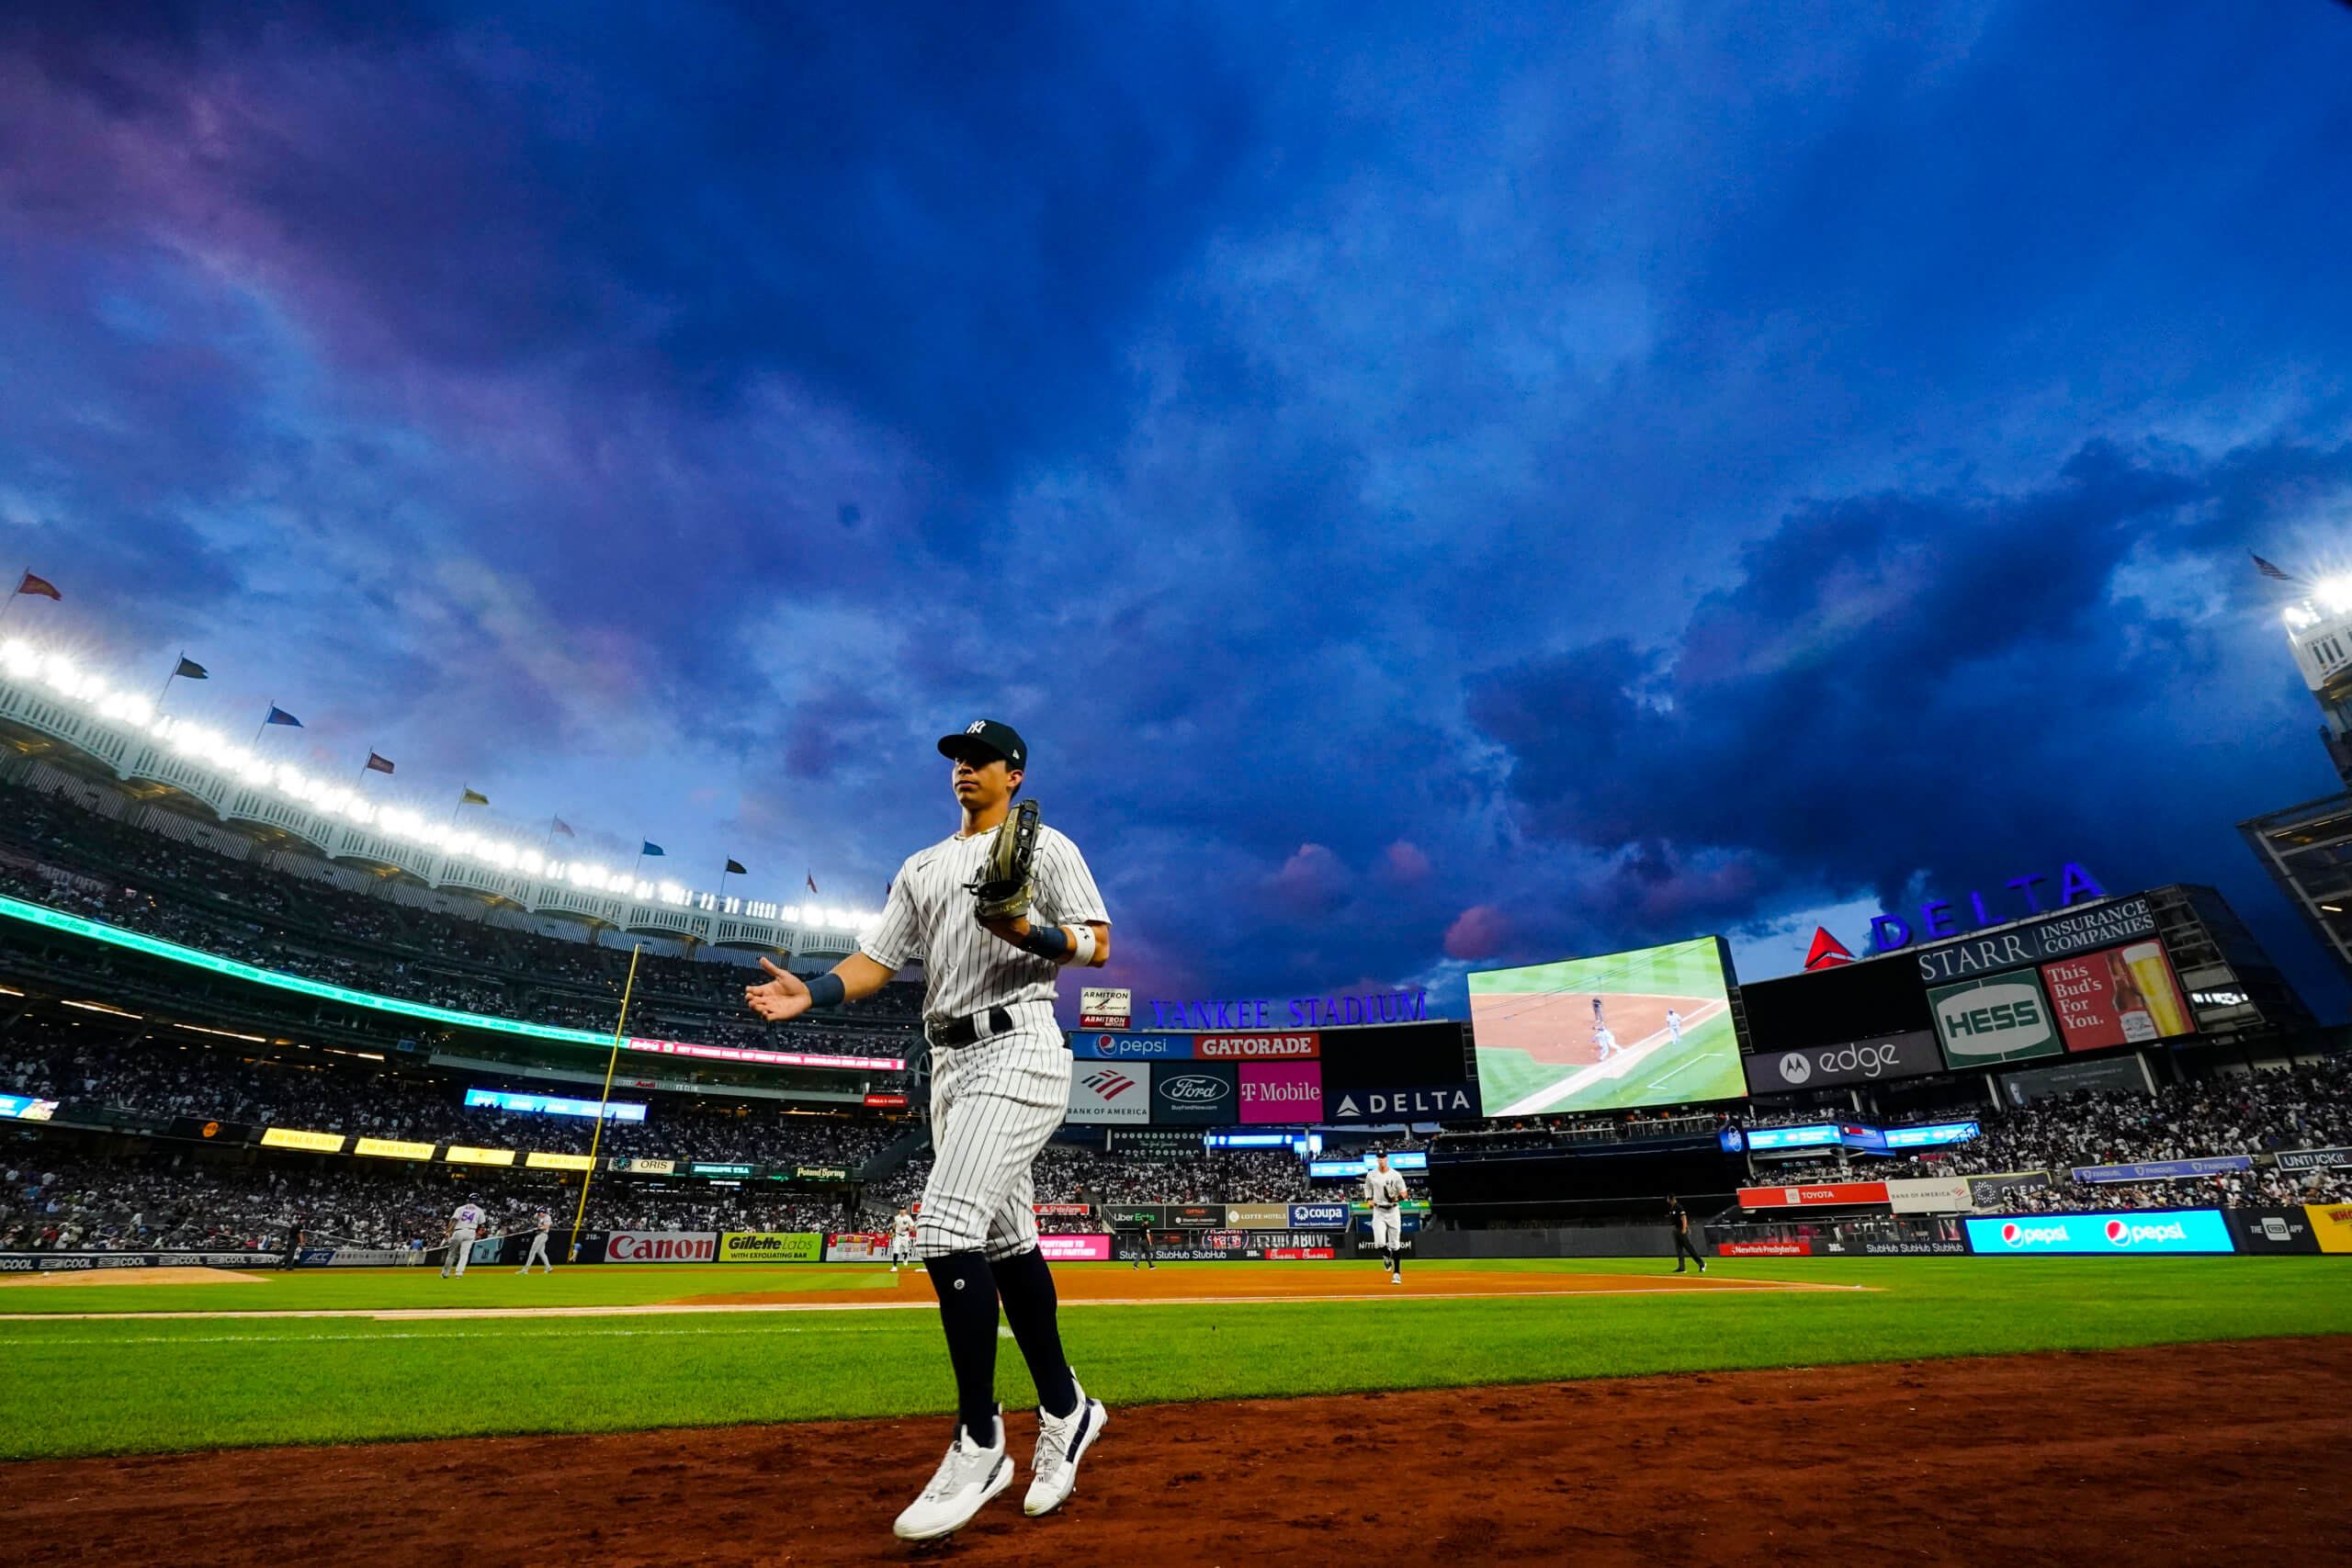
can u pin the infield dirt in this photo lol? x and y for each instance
(2219, 1453)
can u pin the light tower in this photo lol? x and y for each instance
(2307, 849)
(2319, 629)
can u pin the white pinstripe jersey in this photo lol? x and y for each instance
(970, 968)
(1383, 1189)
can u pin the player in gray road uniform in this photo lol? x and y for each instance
(545, 1223)
(465, 1225)
(1000, 1086)
(1383, 1190)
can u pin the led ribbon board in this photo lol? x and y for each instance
(155, 947)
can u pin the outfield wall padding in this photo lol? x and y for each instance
(1565, 1241)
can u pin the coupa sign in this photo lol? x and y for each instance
(1939, 918)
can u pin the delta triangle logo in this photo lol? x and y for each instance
(1827, 952)
(1347, 1106)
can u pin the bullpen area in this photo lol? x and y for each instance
(1939, 1409)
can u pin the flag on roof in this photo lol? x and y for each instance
(189, 669)
(279, 716)
(564, 828)
(735, 868)
(650, 848)
(2272, 573)
(472, 797)
(378, 765)
(40, 585)
(812, 884)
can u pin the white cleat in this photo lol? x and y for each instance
(966, 1477)
(1397, 1279)
(1062, 1442)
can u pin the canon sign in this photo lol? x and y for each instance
(1833, 1067)
(662, 1247)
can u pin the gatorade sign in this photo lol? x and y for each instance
(2003, 1018)
(2174, 1230)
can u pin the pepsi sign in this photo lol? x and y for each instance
(1131, 1048)
(2140, 1231)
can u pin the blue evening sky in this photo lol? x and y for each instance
(1436, 486)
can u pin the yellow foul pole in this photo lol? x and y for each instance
(596, 1138)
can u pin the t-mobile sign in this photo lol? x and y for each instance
(1281, 1091)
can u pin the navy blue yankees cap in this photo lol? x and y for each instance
(983, 741)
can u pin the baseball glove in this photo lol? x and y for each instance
(1002, 889)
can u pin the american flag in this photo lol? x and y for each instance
(2273, 573)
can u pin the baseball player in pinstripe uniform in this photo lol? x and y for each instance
(1000, 1086)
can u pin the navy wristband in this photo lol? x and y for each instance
(827, 991)
(1047, 942)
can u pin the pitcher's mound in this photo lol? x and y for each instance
(133, 1277)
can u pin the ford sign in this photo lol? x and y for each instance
(1197, 1089)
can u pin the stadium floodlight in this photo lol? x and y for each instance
(2336, 593)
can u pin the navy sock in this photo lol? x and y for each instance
(1031, 1309)
(967, 1313)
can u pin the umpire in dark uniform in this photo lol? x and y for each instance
(1686, 1242)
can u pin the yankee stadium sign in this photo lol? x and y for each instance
(1300, 1012)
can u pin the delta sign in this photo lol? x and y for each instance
(1938, 920)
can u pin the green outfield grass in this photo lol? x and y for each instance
(153, 1384)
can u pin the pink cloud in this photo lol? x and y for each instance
(1476, 932)
(1311, 882)
(1405, 861)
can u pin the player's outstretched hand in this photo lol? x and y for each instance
(1011, 928)
(786, 995)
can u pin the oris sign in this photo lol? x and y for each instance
(1834, 1067)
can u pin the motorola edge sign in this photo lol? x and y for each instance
(1833, 1067)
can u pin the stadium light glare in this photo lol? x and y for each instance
(20, 660)
(2336, 593)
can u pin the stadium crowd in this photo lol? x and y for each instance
(54, 853)
(2256, 1115)
(327, 1091)
(90, 1204)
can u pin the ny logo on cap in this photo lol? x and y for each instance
(976, 727)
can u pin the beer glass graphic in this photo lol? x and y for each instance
(2146, 961)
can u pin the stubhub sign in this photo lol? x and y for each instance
(2172, 1230)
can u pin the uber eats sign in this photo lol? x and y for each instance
(2002, 1017)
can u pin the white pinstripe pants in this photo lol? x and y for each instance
(993, 1105)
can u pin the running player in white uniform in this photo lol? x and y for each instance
(1605, 1042)
(545, 1222)
(464, 1226)
(1673, 1027)
(902, 1240)
(1000, 1086)
(1383, 1190)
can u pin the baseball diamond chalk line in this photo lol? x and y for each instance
(657, 1309)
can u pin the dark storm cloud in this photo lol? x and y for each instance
(1956, 685)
